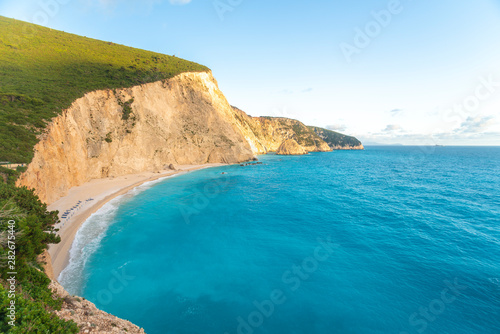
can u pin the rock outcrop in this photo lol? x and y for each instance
(265, 134)
(88, 317)
(291, 147)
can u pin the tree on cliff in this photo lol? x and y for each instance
(26, 230)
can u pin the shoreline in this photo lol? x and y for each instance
(101, 191)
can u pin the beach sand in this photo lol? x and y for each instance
(101, 191)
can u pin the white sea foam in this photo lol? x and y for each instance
(89, 236)
(87, 241)
(146, 185)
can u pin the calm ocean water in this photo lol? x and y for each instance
(387, 240)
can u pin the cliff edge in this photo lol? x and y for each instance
(266, 134)
(88, 317)
(184, 120)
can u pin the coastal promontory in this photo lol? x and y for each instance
(290, 147)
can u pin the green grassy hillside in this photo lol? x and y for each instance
(42, 71)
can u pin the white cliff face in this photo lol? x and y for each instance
(183, 120)
(266, 134)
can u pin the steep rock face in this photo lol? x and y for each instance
(88, 317)
(183, 120)
(337, 141)
(266, 134)
(290, 147)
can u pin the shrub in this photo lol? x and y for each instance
(33, 231)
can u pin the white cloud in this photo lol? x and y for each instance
(337, 127)
(393, 128)
(470, 133)
(476, 124)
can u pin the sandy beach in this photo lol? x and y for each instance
(100, 192)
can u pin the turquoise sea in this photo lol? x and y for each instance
(387, 240)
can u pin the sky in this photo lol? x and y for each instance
(388, 72)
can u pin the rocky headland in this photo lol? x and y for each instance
(185, 120)
(291, 147)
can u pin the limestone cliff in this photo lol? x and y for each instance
(291, 147)
(183, 120)
(266, 134)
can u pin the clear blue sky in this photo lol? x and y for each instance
(426, 72)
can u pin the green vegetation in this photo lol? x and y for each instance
(108, 138)
(303, 135)
(334, 139)
(8, 176)
(42, 71)
(32, 231)
(126, 108)
(34, 318)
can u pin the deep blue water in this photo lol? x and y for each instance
(386, 240)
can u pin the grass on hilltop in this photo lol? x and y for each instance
(42, 71)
